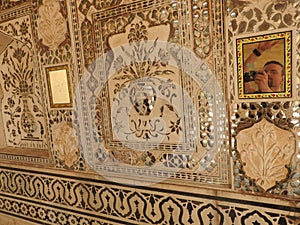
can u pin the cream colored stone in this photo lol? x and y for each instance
(52, 25)
(265, 151)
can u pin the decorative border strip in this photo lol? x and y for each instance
(127, 8)
(45, 214)
(45, 195)
(22, 11)
(27, 159)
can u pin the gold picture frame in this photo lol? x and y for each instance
(264, 66)
(59, 86)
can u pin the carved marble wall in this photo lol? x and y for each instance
(266, 124)
(22, 106)
(155, 135)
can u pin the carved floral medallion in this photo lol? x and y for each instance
(52, 26)
(266, 151)
(65, 144)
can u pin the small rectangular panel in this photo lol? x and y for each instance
(58, 79)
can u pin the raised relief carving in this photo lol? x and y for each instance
(139, 31)
(250, 17)
(52, 26)
(146, 107)
(257, 3)
(138, 83)
(265, 151)
(65, 144)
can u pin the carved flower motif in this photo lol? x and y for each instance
(52, 25)
(24, 209)
(65, 144)
(24, 28)
(32, 211)
(128, 157)
(41, 213)
(10, 102)
(137, 33)
(62, 219)
(175, 126)
(72, 220)
(51, 215)
(139, 70)
(266, 150)
(19, 54)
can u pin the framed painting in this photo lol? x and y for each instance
(59, 86)
(264, 66)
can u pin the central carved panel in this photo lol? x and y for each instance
(147, 101)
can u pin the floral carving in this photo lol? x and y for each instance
(65, 144)
(22, 104)
(262, 15)
(265, 151)
(243, 3)
(128, 157)
(139, 70)
(138, 32)
(52, 25)
(248, 17)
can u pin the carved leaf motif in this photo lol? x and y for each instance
(52, 25)
(265, 151)
(65, 144)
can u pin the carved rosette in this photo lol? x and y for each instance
(266, 151)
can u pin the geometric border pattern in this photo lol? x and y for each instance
(63, 199)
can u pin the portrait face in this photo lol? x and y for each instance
(275, 75)
(264, 65)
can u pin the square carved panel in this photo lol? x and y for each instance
(148, 106)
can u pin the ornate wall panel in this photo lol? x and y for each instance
(54, 48)
(272, 128)
(22, 110)
(125, 130)
(159, 115)
(6, 4)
